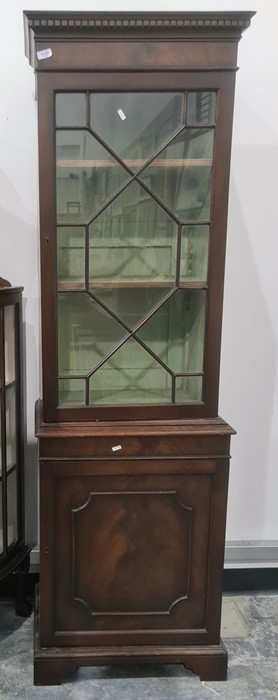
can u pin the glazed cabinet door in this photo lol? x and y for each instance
(132, 244)
(11, 461)
(125, 556)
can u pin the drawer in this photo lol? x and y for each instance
(122, 447)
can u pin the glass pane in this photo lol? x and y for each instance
(131, 375)
(175, 332)
(71, 392)
(194, 253)
(71, 256)
(132, 304)
(133, 240)
(1, 523)
(136, 125)
(201, 107)
(12, 508)
(189, 389)
(87, 176)
(9, 325)
(10, 427)
(86, 333)
(181, 175)
(70, 109)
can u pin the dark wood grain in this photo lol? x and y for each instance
(126, 488)
(132, 539)
(138, 55)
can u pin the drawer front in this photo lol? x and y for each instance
(126, 557)
(135, 446)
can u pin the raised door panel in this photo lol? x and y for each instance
(130, 565)
(131, 558)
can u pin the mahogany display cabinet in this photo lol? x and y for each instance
(14, 553)
(135, 123)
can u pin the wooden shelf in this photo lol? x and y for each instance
(159, 163)
(78, 286)
(130, 397)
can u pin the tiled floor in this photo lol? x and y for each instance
(250, 631)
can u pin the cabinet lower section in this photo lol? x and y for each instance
(131, 559)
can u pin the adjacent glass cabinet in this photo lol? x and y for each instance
(14, 554)
(135, 122)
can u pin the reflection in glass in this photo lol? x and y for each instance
(133, 304)
(133, 240)
(189, 389)
(132, 247)
(131, 375)
(136, 125)
(175, 333)
(71, 392)
(201, 107)
(194, 253)
(86, 333)
(12, 507)
(181, 175)
(70, 109)
(71, 255)
(87, 176)
(9, 325)
(10, 427)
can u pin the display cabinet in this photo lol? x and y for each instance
(14, 553)
(135, 122)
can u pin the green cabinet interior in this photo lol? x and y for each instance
(133, 186)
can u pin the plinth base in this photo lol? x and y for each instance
(52, 665)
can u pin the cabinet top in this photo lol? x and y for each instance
(199, 20)
(178, 25)
(9, 295)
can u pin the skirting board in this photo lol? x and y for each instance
(251, 554)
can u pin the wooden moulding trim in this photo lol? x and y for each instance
(63, 430)
(133, 428)
(180, 25)
(135, 53)
(138, 20)
(206, 426)
(216, 425)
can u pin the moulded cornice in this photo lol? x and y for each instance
(134, 20)
(179, 25)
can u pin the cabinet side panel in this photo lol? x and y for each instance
(47, 554)
(220, 190)
(216, 548)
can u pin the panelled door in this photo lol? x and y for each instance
(126, 557)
